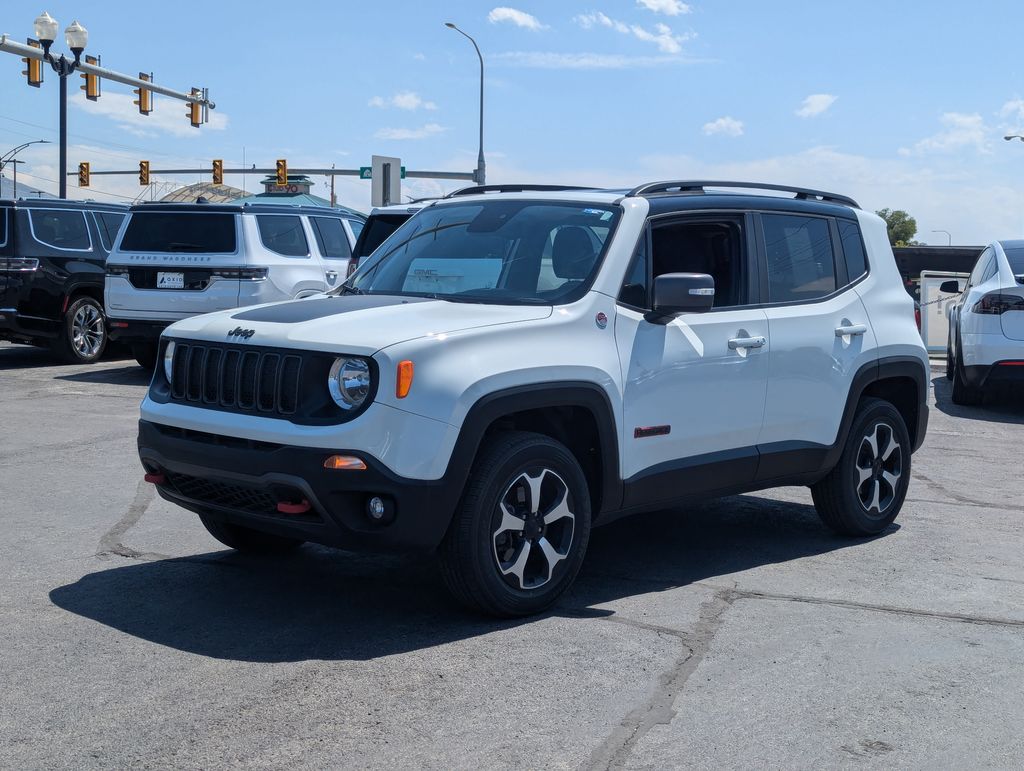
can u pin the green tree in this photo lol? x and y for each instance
(901, 227)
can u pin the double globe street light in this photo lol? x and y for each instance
(76, 36)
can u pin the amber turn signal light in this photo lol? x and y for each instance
(344, 463)
(403, 380)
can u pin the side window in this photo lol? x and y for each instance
(108, 224)
(979, 268)
(357, 227)
(634, 286)
(801, 261)
(283, 234)
(331, 237)
(853, 249)
(61, 229)
(3, 227)
(713, 246)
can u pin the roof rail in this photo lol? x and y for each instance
(698, 186)
(476, 189)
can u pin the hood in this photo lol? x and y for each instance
(358, 324)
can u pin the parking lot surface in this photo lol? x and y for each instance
(737, 633)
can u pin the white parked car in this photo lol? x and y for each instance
(173, 261)
(508, 370)
(986, 324)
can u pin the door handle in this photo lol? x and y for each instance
(746, 342)
(851, 330)
(331, 274)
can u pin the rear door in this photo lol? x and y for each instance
(820, 334)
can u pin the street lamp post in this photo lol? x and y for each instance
(8, 157)
(481, 169)
(949, 238)
(76, 36)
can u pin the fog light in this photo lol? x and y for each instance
(376, 509)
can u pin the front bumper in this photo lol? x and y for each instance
(242, 481)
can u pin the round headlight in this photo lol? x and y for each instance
(349, 382)
(169, 360)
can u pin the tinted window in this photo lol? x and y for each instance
(205, 233)
(60, 229)
(493, 251)
(853, 248)
(376, 230)
(801, 264)
(108, 224)
(3, 226)
(331, 237)
(713, 247)
(980, 267)
(357, 227)
(1014, 256)
(283, 234)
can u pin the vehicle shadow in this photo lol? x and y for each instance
(16, 356)
(319, 603)
(128, 375)
(1002, 404)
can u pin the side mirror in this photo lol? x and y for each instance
(950, 287)
(683, 293)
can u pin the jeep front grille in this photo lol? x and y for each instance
(236, 378)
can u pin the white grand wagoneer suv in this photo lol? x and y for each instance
(510, 369)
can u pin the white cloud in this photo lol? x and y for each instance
(515, 16)
(961, 131)
(730, 127)
(667, 41)
(1012, 113)
(403, 100)
(427, 130)
(553, 60)
(815, 105)
(667, 7)
(168, 116)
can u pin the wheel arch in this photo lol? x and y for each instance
(576, 413)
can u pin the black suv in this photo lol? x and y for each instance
(52, 256)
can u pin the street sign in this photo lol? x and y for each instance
(366, 172)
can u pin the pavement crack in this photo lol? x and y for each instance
(658, 708)
(953, 495)
(110, 543)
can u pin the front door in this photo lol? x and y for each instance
(694, 386)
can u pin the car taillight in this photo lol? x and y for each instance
(117, 270)
(240, 274)
(996, 304)
(352, 265)
(19, 265)
(917, 317)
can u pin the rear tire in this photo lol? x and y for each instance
(145, 355)
(245, 539)
(864, 492)
(520, 533)
(83, 334)
(964, 394)
(949, 361)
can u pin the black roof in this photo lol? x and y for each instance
(665, 203)
(59, 203)
(251, 208)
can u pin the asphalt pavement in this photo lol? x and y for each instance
(737, 633)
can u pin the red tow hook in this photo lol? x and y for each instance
(155, 479)
(294, 508)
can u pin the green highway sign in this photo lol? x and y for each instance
(366, 172)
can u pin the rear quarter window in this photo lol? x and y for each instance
(853, 249)
(61, 229)
(188, 232)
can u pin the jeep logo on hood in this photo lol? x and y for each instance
(245, 334)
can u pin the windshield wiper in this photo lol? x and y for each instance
(346, 289)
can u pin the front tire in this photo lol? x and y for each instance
(247, 540)
(520, 533)
(83, 335)
(865, 491)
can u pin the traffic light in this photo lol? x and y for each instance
(145, 100)
(143, 172)
(282, 171)
(92, 82)
(218, 172)
(34, 67)
(83, 174)
(195, 110)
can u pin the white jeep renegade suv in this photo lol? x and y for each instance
(510, 369)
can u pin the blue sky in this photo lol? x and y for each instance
(898, 104)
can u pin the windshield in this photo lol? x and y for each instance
(510, 252)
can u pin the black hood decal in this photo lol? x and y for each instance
(306, 310)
